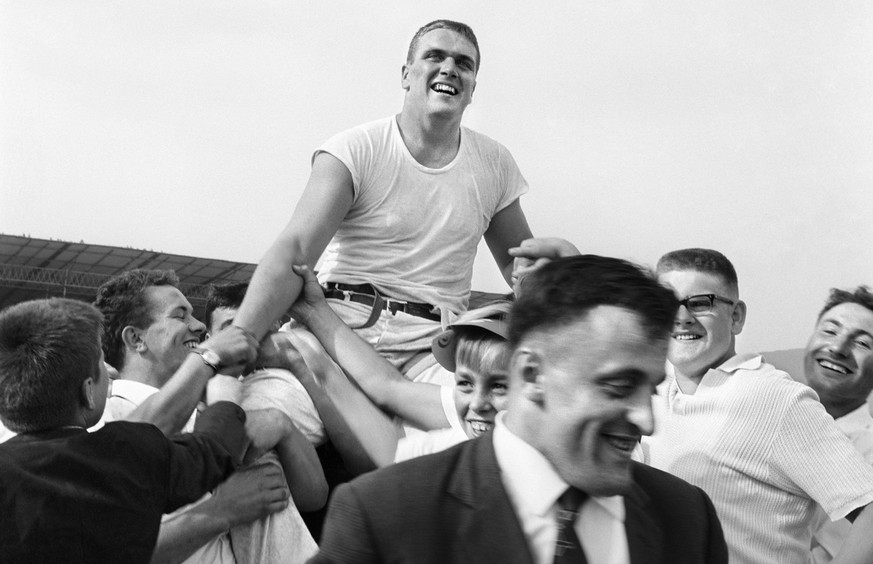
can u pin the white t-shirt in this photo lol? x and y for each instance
(280, 389)
(413, 231)
(418, 443)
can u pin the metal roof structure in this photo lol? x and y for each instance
(33, 268)
(39, 268)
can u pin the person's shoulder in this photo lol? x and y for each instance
(753, 372)
(481, 140)
(412, 473)
(370, 129)
(658, 483)
(132, 431)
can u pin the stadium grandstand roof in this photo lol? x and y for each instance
(33, 268)
(39, 268)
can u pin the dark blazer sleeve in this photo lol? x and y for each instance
(197, 462)
(717, 552)
(346, 535)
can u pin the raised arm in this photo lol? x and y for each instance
(171, 407)
(507, 229)
(420, 404)
(270, 428)
(322, 207)
(246, 496)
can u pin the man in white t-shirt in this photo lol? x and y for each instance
(759, 443)
(838, 364)
(398, 207)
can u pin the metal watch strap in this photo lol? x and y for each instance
(210, 358)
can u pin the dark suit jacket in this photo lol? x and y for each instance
(70, 496)
(451, 507)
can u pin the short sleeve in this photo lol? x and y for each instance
(811, 452)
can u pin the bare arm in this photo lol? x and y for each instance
(270, 428)
(171, 407)
(420, 404)
(507, 229)
(322, 207)
(858, 546)
(364, 436)
(245, 496)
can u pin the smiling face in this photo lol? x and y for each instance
(481, 390)
(441, 77)
(173, 332)
(839, 357)
(592, 383)
(704, 340)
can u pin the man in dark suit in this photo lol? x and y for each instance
(589, 338)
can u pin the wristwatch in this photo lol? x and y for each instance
(209, 357)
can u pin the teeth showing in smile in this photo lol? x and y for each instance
(831, 366)
(686, 337)
(625, 445)
(480, 427)
(191, 344)
(444, 89)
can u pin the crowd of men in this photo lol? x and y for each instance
(631, 432)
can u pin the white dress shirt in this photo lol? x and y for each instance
(534, 487)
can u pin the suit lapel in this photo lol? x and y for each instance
(645, 539)
(488, 529)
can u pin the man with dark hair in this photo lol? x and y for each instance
(149, 336)
(222, 303)
(838, 364)
(67, 495)
(398, 207)
(154, 341)
(759, 443)
(589, 340)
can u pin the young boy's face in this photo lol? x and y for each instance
(479, 394)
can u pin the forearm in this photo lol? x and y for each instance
(858, 546)
(363, 435)
(272, 290)
(171, 407)
(303, 471)
(376, 376)
(185, 532)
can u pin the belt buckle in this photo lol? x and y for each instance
(389, 305)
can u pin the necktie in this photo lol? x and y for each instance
(568, 549)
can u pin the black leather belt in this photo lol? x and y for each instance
(368, 295)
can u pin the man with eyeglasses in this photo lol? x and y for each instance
(760, 444)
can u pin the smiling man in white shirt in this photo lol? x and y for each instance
(838, 364)
(589, 339)
(759, 443)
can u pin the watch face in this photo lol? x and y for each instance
(212, 358)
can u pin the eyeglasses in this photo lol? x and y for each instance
(702, 303)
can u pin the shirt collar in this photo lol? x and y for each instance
(531, 479)
(749, 361)
(131, 390)
(859, 418)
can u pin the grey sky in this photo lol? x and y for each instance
(642, 127)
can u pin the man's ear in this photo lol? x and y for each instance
(404, 77)
(86, 393)
(738, 317)
(527, 364)
(132, 338)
